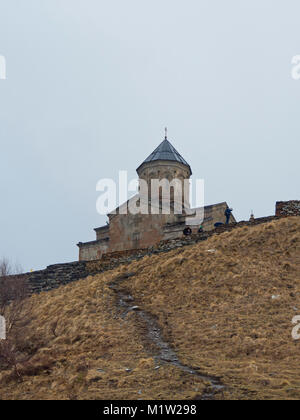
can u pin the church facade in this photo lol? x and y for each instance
(127, 231)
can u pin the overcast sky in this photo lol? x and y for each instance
(91, 85)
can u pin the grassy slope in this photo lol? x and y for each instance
(214, 304)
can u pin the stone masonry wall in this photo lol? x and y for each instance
(288, 208)
(57, 275)
(93, 250)
(129, 231)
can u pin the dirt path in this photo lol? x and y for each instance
(153, 334)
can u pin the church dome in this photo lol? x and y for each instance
(166, 152)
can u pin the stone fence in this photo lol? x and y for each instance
(288, 208)
(57, 275)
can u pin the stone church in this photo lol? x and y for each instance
(139, 231)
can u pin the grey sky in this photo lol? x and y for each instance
(91, 85)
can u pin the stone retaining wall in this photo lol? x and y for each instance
(57, 275)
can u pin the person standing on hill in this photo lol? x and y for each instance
(227, 213)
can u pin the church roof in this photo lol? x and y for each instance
(165, 151)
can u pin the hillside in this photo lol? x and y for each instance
(212, 320)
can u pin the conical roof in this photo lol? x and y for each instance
(165, 151)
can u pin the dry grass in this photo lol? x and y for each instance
(214, 304)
